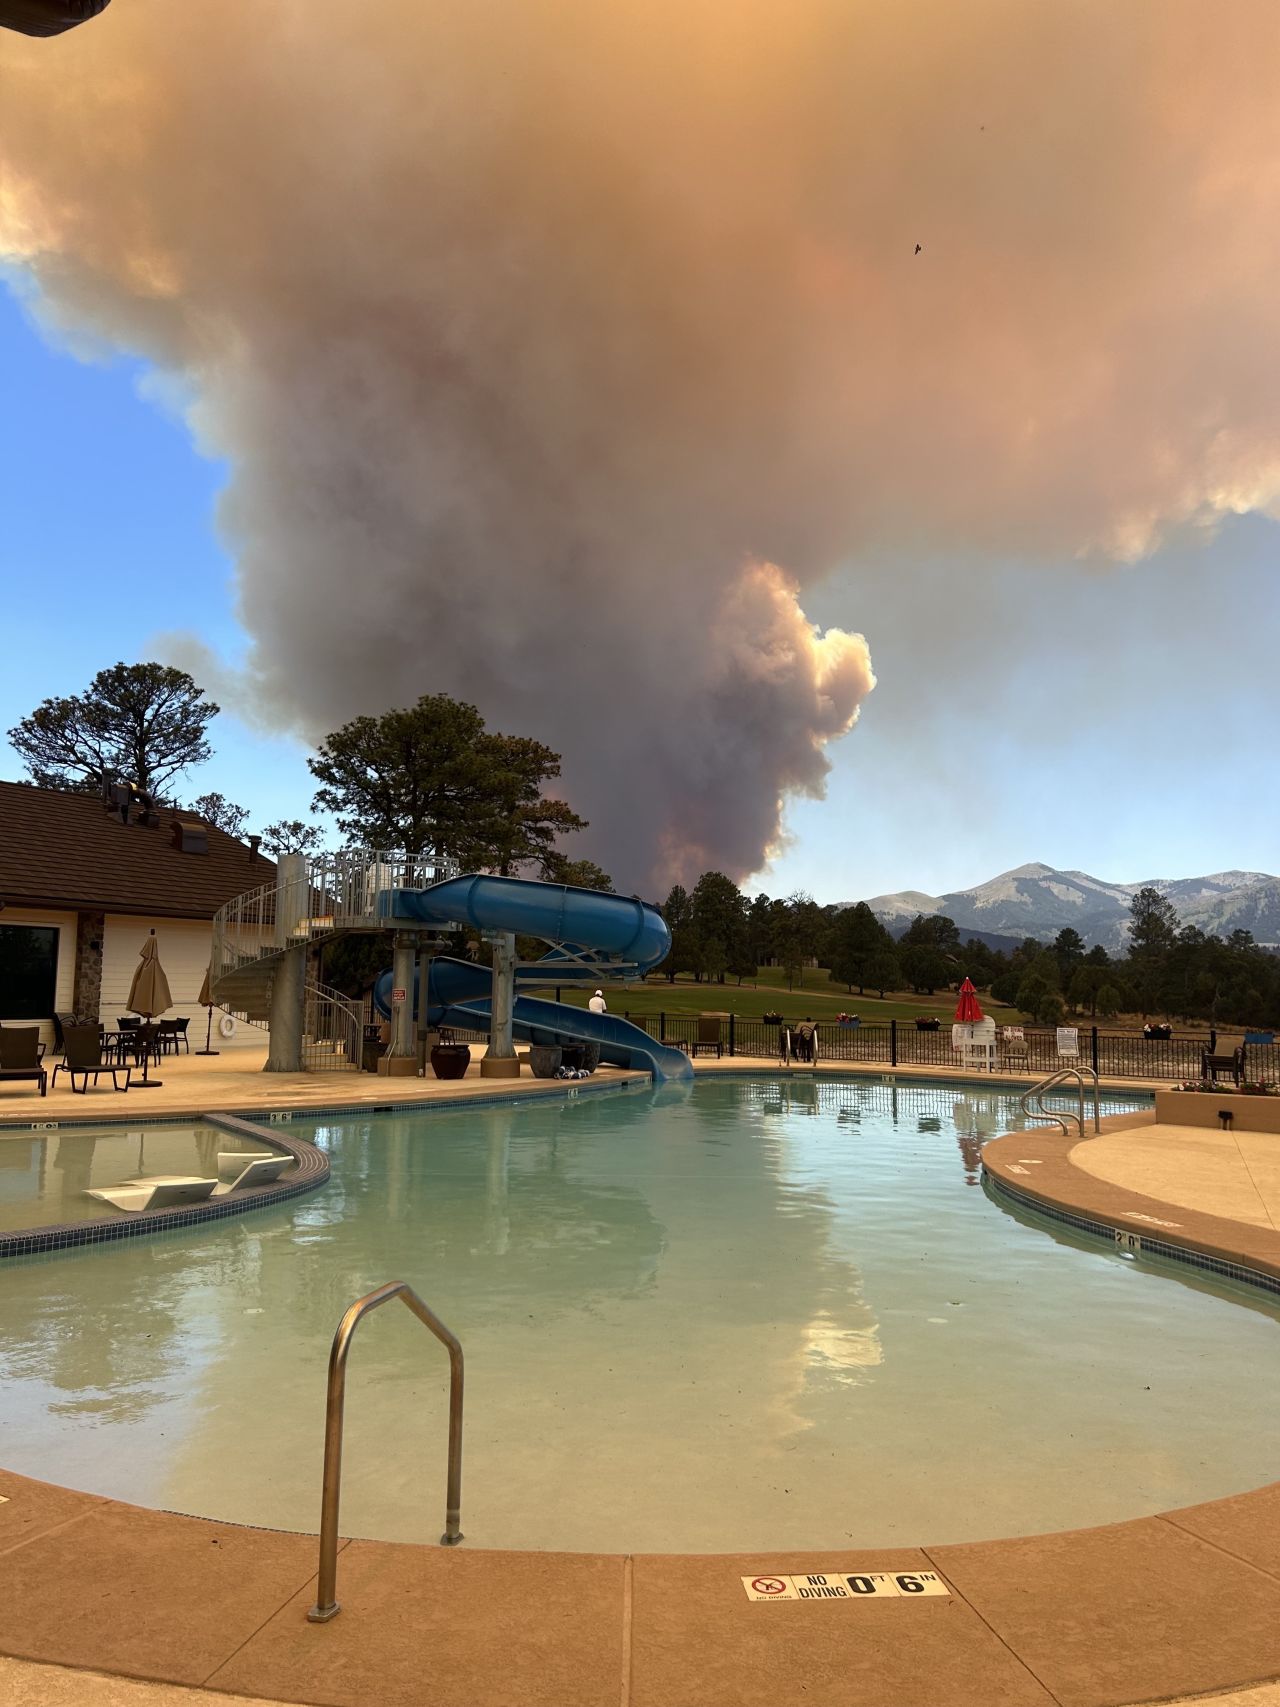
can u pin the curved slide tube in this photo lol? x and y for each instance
(620, 934)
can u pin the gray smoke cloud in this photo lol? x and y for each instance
(538, 336)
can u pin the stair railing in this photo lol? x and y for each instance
(1081, 1075)
(326, 1605)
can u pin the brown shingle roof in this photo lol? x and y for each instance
(62, 850)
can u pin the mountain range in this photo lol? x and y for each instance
(1039, 901)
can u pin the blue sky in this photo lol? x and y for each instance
(1119, 719)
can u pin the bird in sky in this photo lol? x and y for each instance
(919, 247)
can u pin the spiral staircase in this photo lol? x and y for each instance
(330, 896)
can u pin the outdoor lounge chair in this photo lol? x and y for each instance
(240, 1169)
(708, 1034)
(161, 1191)
(22, 1055)
(83, 1059)
(1224, 1061)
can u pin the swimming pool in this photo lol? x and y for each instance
(756, 1314)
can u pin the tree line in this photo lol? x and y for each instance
(1168, 967)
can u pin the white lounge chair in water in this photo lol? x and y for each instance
(238, 1169)
(162, 1191)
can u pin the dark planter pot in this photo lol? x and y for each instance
(1159, 1034)
(771, 1019)
(928, 1025)
(450, 1060)
(573, 1056)
(544, 1060)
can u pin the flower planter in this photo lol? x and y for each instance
(928, 1025)
(544, 1060)
(1203, 1108)
(450, 1060)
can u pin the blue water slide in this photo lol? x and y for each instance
(615, 935)
(614, 928)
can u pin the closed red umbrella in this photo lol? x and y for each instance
(968, 1008)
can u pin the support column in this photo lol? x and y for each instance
(500, 1060)
(401, 1060)
(289, 982)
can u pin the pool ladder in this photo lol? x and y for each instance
(1081, 1075)
(326, 1606)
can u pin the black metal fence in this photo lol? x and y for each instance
(1112, 1054)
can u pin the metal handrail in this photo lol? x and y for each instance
(326, 1606)
(1039, 1091)
(328, 1017)
(337, 892)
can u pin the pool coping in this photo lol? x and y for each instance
(1183, 1603)
(1234, 1250)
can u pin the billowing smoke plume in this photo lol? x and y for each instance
(536, 333)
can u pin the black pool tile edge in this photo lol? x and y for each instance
(1136, 1239)
(312, 1172)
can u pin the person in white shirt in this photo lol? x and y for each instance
(596, 1004)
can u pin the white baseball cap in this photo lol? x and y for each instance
(599, 992)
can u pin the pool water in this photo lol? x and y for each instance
(743, 1314)
(46, 1177)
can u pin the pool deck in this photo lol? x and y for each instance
(1184, 1604)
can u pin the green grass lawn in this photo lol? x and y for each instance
(816, 997)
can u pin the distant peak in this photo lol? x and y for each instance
(1035, 869)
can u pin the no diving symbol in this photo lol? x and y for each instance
(770, 1585)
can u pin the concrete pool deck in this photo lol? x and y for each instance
(1184, 1604)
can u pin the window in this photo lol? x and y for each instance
(28, 971)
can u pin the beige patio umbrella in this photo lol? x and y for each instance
(205, 1000)
(149, 996)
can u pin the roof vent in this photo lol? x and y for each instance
(189, 837)
(255, 842)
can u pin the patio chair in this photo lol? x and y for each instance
(1222, 1061)
(83, 1059)
(708, 1034)
(60, 1024)
(22, 1055)
(1013, 1047)
(180, 1035)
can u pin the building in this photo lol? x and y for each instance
(81, 885)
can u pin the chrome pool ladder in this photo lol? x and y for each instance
(326, 1605)
(1082, 1076)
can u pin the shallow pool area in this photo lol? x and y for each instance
(46, 1177)
(754, 1313)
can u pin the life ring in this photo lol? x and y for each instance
(226, 1026)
